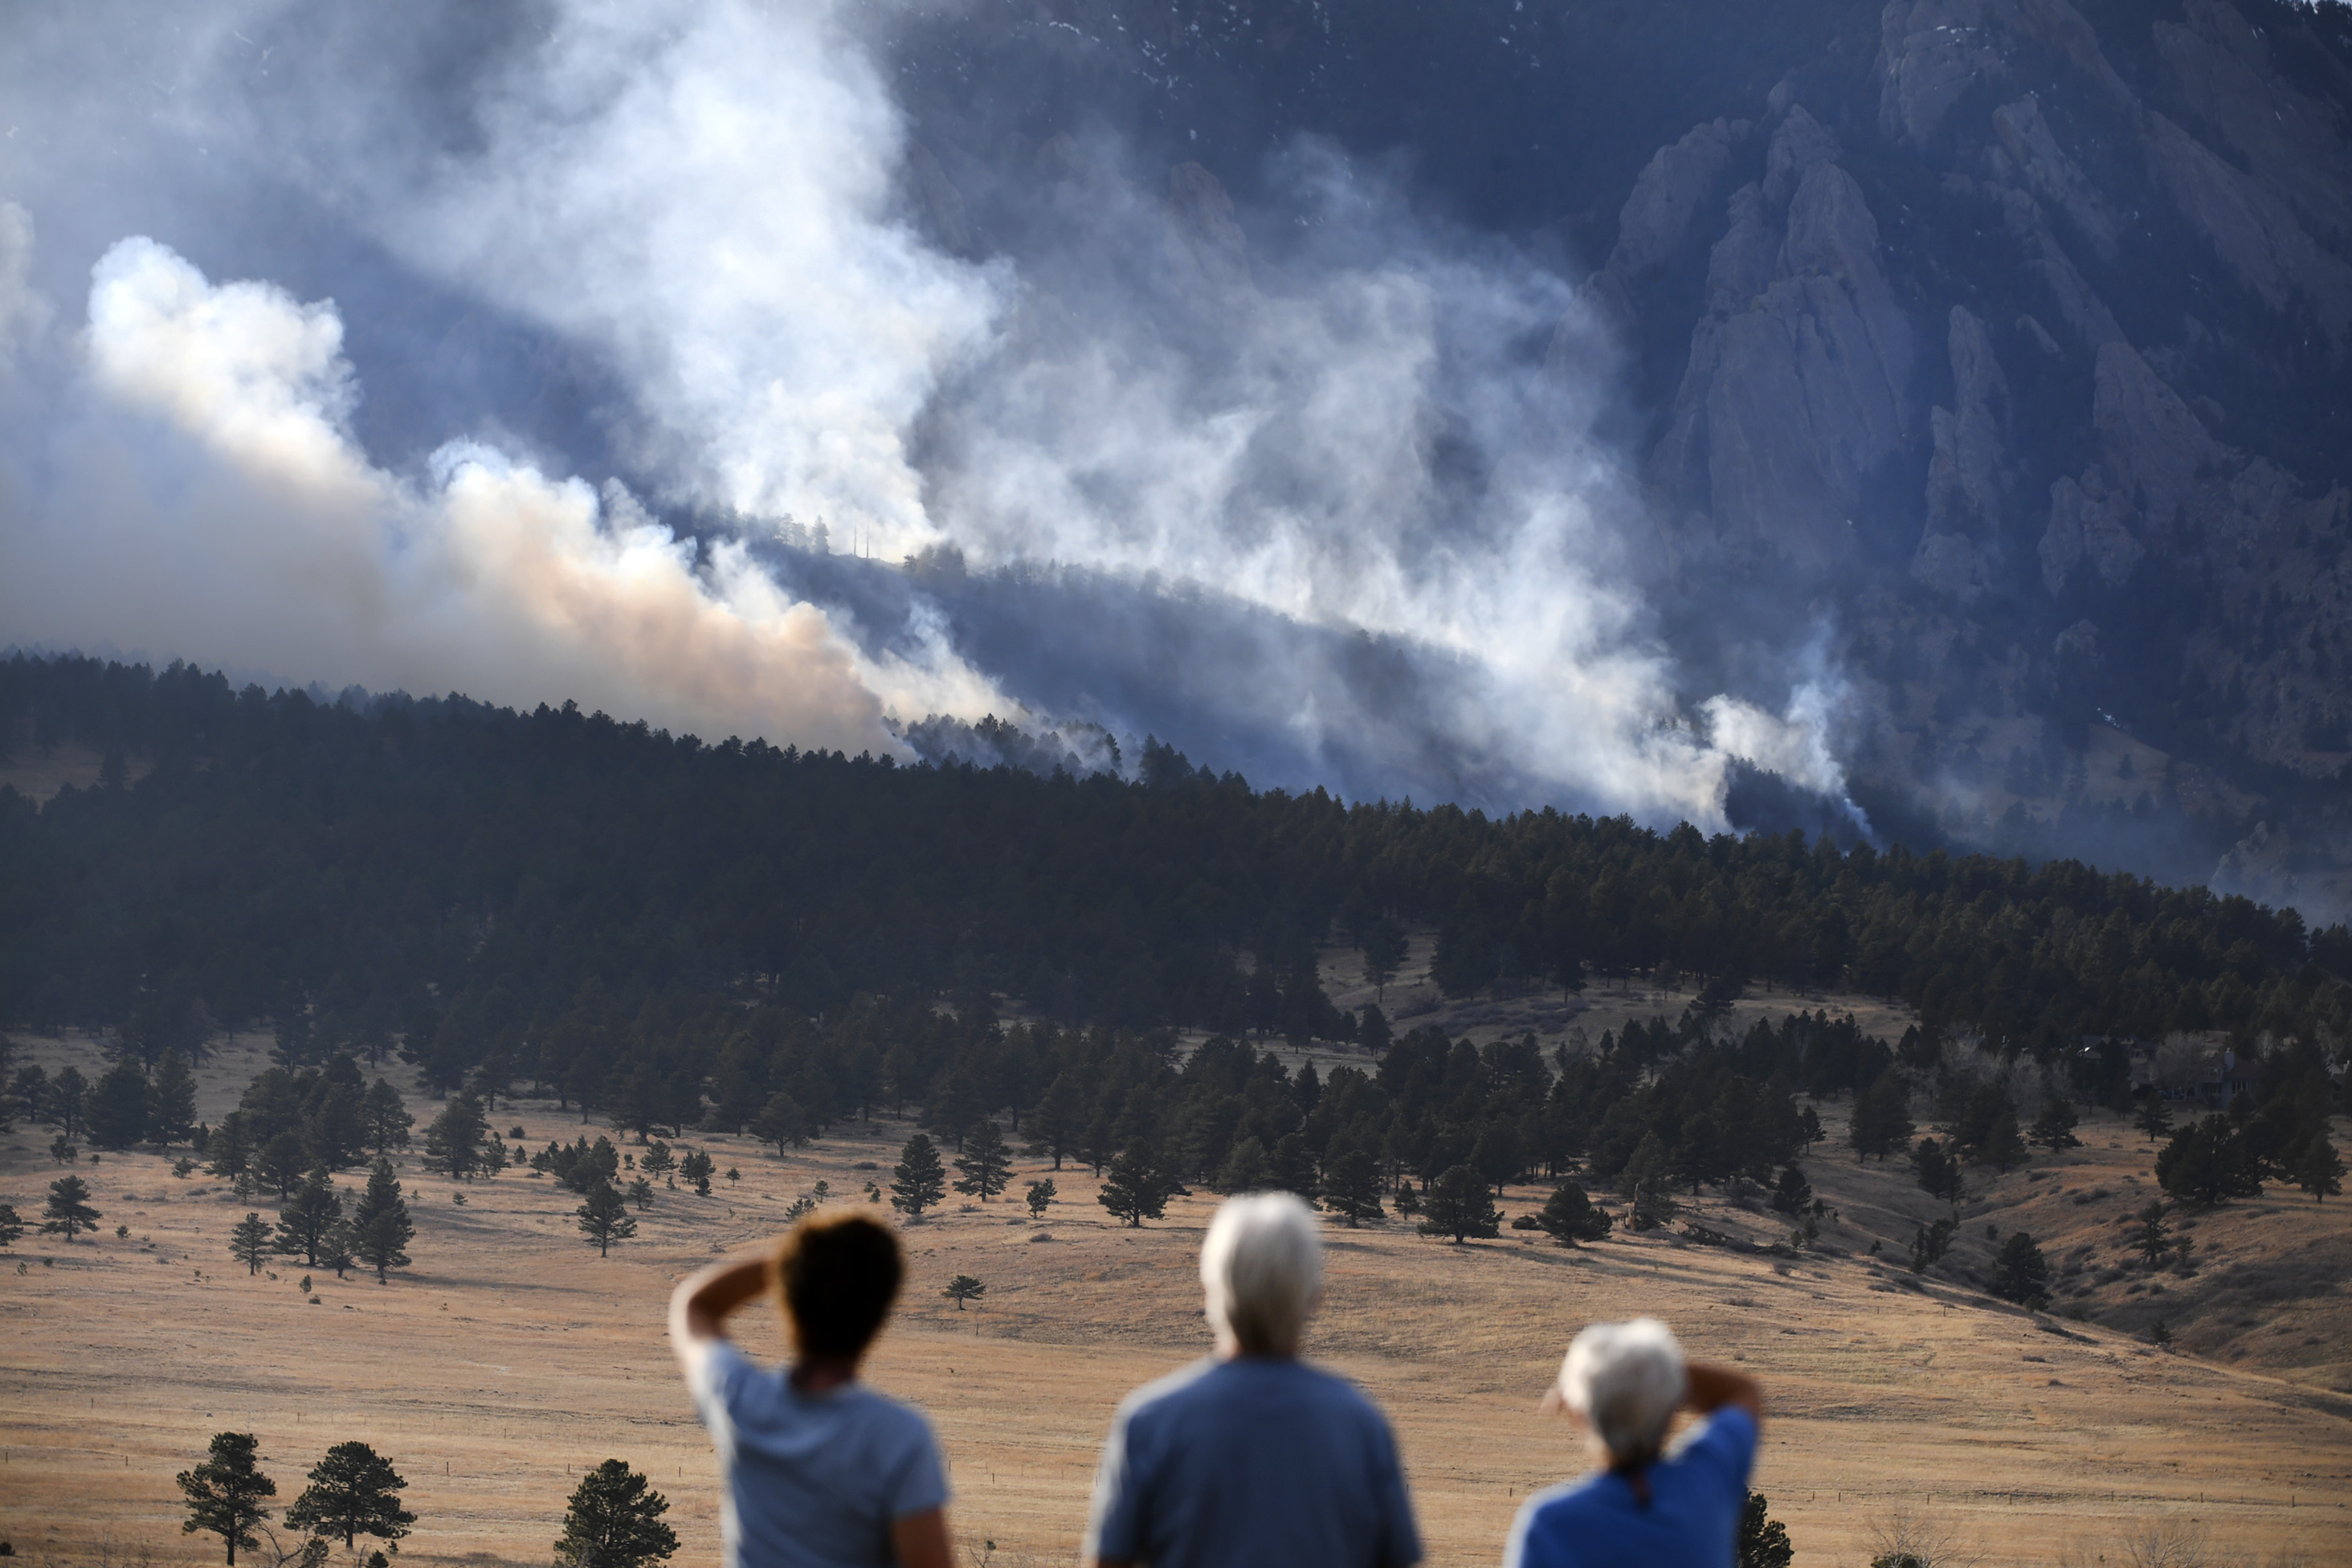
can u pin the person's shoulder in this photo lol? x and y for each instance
(885, 1413)
(1550, 1522)
(1342, 1392)
(1177, 1387)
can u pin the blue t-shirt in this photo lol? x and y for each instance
(1267, 1460)
(811, 1481)
(1692, 1520)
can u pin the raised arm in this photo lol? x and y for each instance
(699, 1306)
(1713, 1387)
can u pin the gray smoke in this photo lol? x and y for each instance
(520, 349)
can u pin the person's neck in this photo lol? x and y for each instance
(1232, 1350)
(821, 1375)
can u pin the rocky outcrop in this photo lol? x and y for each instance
(2294, 143)
(2088, 527)
(1801, 142)
(1965, 478)
(1931, 52)
(2044, 168)
(2154, 447)
(2253, 230)
(1656, 219)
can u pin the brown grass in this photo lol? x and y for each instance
(510, 1358)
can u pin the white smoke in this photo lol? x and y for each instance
(705, 197)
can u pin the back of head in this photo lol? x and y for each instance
(1626, 1380)
(1261, 1267)
(837, 1276)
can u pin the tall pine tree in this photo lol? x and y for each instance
(381, 1228)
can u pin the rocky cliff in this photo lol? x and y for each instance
(2001, 344)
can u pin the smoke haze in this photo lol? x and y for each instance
(519, 351)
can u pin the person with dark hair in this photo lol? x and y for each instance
(819, 1470)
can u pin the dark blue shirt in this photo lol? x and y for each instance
(1692, 1519)
(1230, 1464)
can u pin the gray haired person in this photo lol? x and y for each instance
(1623, 1384)
(1252, 1456)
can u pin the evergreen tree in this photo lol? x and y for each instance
(964, 1288)
(919, 1180)
(613, 1520)
(2019, 1273)
(1930, 1242)
(68, 1097)
(68, 1213)
(2054, 1128)
(604, 1219)
(2153, 1117)
(1940, 1174)
(230, 1147)
(282, 1162)
(1290, 1165)
(780, 1121)
(380, 1223)
(2208, 1163)
(641, 1195)
(171, 1100)
(1763, 1542)
(1041, 1196)
(985, 1162)
(303, 1223)
(1648, 1182)
(1351, 1188)
(2152, 1238)
(1462, 1205)
(1384, 953)
(1792, 1194)
(1882, 1117)
(1245, 1168)
(453, 1143)
(248, 1242)
(1570, 1216)
(385, 1118)
(118, 1106)
(338, 1248)
(225, 1493)
(658, 1163)
(1137, 1188)
(11, 1226)
(2320, 1169)
(697, 1168)
(2005, 1146)
(1098, 1142)
(353, 1491)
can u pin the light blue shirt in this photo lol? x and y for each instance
(1692, 1519)
(811, 1481)
(1256, 1461)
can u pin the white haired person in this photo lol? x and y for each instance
(1252, 1456)
(1622, 1382)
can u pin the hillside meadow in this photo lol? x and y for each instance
(510, 1358)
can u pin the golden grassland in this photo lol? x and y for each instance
(510, 1358)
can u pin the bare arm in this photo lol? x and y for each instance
(698, 1306)
(920, 1540)
(1713, 1387)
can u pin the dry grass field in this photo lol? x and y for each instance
(510, 1358)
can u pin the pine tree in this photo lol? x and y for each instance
(659, 1163)
(919, 1180)
(1763, 1542)
(1570, 1216)
(1646, 1180)
(2054, 1128)
(964, 1288)
(69, 1096)
(605, 1218)
(615, 1521)
(171, 1100)
(282, 1162)
(1136, 1188)
(353, 1491)
(1882, 1117)
(2019, 1273)
(2003, 1146)
(985, 1162)
(68, 1213)
(380, 1223)
(1098, 1142)
(2209, 1161)
(1940, 1174)
(780, 1121)
(1793, 1193)
(230, 1147)
(2153, 1238)
(1351, 1188)
(697, 1168)
(453, 1143)
(1462, 1205)
(1058, 1119)
(225, 1492)
(385, 1118)
(2153, 1116)
(1245, 1168)
(1041, 1196)
(2319, 1171)
(11, 1226)
(338, 1248)
(118, 1106)
(248, 1242)
(303, 1223)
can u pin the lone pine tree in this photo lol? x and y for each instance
(353, 1491)
(226, 1491)
(1137, 1188)
(381, 1228)
(1041, 1197)
(918, 1180)
(1461, 1205)
(248, 1242)
(605, 1218)
(613, 1520)
(68, 1211)
(986, 1163)
(1570, 1216)
(964, 1288)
